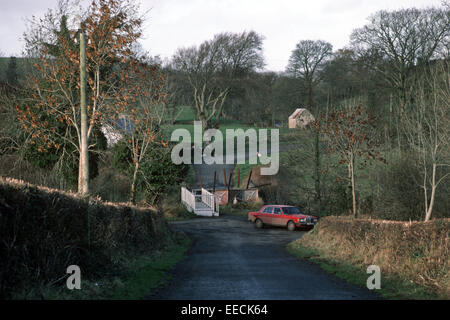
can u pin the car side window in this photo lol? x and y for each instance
(267, 210)
(277, 211)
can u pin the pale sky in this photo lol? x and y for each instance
(180, 23)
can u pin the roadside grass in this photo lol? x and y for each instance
(184, 214)
(392, 287)
(149, 272)
(140, 274)
(233, 211)
(172, 207)
(240, 209)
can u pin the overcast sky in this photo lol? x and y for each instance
(179, 23)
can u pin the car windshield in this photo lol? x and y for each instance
(291, 210)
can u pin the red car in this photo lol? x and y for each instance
(279, 215)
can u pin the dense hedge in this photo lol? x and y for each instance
(416, 251)
(43, 231)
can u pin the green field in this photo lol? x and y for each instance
(185, 121)
(187, 116)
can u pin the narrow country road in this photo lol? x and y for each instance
(230, 259)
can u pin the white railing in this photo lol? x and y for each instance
(188, 197)
(199, 197)
(208, 198)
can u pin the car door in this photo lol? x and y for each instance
(266, 215)
(277, 217)
(288, 213)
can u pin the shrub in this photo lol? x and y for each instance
(156, 173)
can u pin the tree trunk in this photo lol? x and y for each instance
(79, 175)
(433, 192)
(204, 124)
(309, 95)
(203, 119)
(352, 172)
(133, 183)
(83, 176)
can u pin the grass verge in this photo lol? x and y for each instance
(346, 247)
(149, 272)
(233, 211)
(391, 287)
(241, 209)
(183, 215)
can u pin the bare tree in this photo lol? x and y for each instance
(350, 134)
(174, 95)
(392, 43)
(427, 128)
(212, 66)
(51, 113)
(306, 61)
(144, 119)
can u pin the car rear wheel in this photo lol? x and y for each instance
(259, 224)
(291, 226)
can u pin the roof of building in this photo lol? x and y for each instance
(297, 113)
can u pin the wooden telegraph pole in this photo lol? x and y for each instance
(83, 184)
(83, 176)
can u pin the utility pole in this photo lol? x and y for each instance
(83, 184)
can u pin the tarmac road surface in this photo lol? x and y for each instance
(231, 259)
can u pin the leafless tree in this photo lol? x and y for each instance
(393, 42)
(349, 131)
(54, 101)
(144, 122)
(212, 66)
(306, 62)
(427, 128)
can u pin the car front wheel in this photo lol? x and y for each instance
(291, 226)
(259, 224)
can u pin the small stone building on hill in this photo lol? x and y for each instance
(301, 118)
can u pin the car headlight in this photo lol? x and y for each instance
(302, 220)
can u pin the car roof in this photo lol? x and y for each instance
(277, 205)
